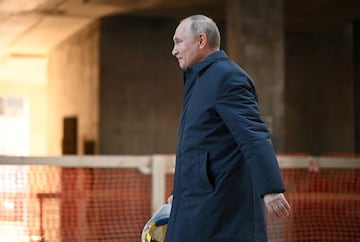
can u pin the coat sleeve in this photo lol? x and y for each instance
(237, 105)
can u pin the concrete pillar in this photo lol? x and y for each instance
(356, 40)
(141, 86)
(255, 40)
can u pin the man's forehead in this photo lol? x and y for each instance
(181, 30)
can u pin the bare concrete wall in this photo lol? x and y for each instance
(319, 92)
(141, 86)
(255, 40)
(73, 88)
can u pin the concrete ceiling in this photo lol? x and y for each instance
(33, 27)
(317, 15)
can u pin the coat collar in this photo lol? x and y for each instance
(207, 61)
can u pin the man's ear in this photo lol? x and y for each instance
(202, 40)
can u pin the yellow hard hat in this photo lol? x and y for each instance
(155, 229)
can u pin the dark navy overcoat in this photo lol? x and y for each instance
(225, 161)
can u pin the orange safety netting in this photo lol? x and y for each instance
(48, 203)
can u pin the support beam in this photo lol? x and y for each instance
(255, 40)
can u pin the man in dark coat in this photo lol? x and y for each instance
(226, 168)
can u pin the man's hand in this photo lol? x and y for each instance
(276, 203)
(169, 200)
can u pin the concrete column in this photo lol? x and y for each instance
(255, 40)
(356, 53)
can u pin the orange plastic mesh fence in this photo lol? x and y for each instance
(325, 206)
(44, 203)
(52, 203)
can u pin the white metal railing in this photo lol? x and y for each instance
(158, 165)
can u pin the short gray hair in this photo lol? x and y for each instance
(203, 24)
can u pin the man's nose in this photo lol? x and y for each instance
(174, 51)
